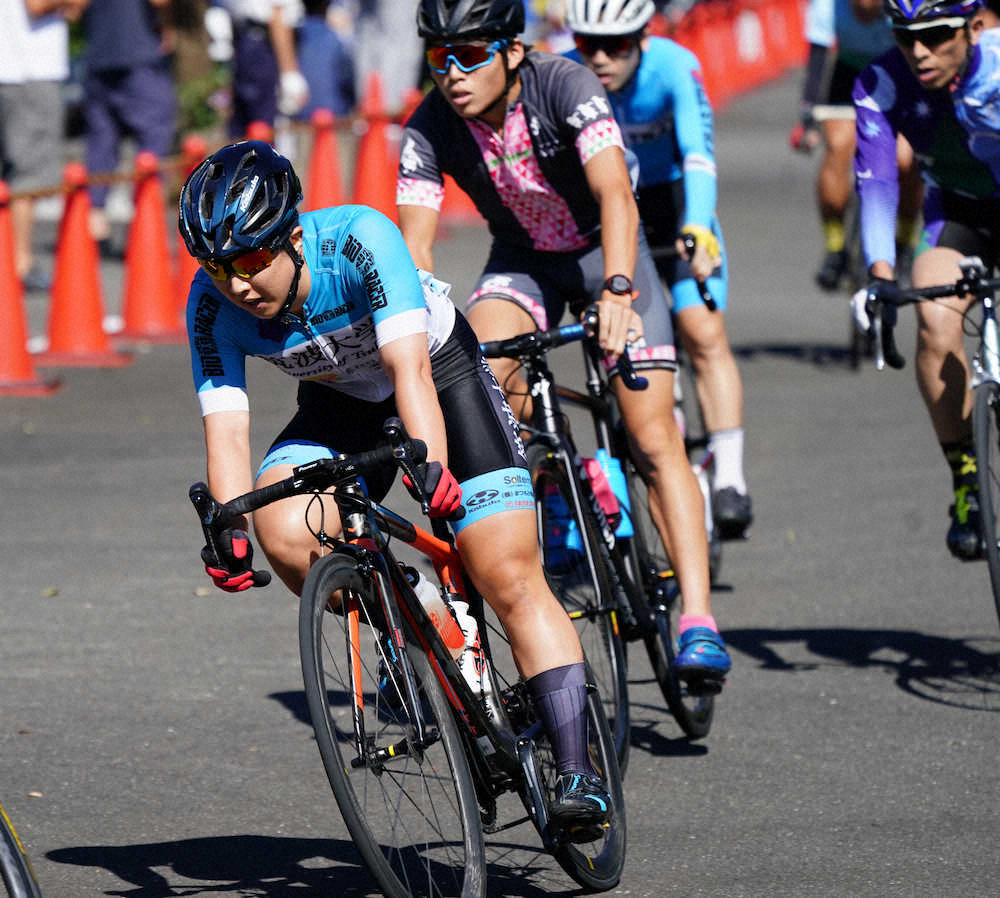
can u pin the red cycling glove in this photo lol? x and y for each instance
(236, 557)
(443, 490)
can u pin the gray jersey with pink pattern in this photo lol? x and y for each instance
(528, 182)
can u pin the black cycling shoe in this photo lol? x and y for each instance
(733, 512)
(832, 269)
(965, 539)
(581, 806)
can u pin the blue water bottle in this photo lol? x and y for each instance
(612, 468)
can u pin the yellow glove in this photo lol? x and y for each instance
(704, 237)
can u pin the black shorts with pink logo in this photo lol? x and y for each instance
(547, 284)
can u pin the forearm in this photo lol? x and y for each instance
(418, 225)
(282, 42)
(417, 403)
(619, 231)
(227, 455)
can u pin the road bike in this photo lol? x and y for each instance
(985, 385)
(616, 587)
(417, 758)
(15, 868)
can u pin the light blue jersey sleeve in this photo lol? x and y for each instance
(693, 117)
(218, 360)
(383, 270)
(820, 23)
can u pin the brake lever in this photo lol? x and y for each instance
(214, 519)
(706, 297)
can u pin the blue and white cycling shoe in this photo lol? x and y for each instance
(702, 658)
(581, 806)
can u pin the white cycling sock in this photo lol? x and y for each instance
(727, 447)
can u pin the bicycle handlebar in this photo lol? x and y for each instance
(690, 244)
(536, 343)
(313, 476)
(882, 301)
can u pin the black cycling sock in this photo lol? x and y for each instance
(560, 697)
(961, 457)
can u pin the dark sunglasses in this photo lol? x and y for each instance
(244, 266)
(615, 45)
(930, 37)
(468, 57)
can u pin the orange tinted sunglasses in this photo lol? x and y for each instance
(244, 266)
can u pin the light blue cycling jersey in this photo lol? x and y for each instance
(955, 135)
(831, 22)
(666, 119)
(365, 293)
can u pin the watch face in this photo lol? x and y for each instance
(619, 284)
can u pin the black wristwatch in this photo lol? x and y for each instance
(618, 284)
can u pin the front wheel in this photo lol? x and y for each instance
(661, 597)
(986, 428)
(411, 809)
(15, 867)
(595, 865)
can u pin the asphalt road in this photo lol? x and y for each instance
(153, 735)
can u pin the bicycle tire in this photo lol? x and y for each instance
(659, 591)
(586, 593)
(416, 820)
(596, 865)
(986, 431)
(15, 868)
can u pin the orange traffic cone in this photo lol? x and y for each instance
(17, 370)
(324, 164)
(457, 207)
(260, 131)
(375, 170)
(194, 150)
(76, 311)
(148, 307)
(411, 100)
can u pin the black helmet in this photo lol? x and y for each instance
(451, 20)
(242, 197)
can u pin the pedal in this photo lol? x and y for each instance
(581, 834)
(697, 684)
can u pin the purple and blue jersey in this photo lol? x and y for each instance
(955, 135)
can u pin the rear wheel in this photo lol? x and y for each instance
(659, 590)
(986, 427)
(598, 864)
(576, 567)
(410, 809)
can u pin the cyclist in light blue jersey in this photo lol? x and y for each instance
(938, 88)
(333, 299)
(853, 33)
(660, 104)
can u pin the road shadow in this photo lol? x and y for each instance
(962, 673)
(295, 703)
(274, 867)
(267, 866)
(822, 355)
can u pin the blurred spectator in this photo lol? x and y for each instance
(34, 62)
(387, 43)
(128, 90)
(990, 14)
(266, 76)
(326, 63)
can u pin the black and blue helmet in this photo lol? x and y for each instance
(914, 13)
(240, 198)
(462, 20)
